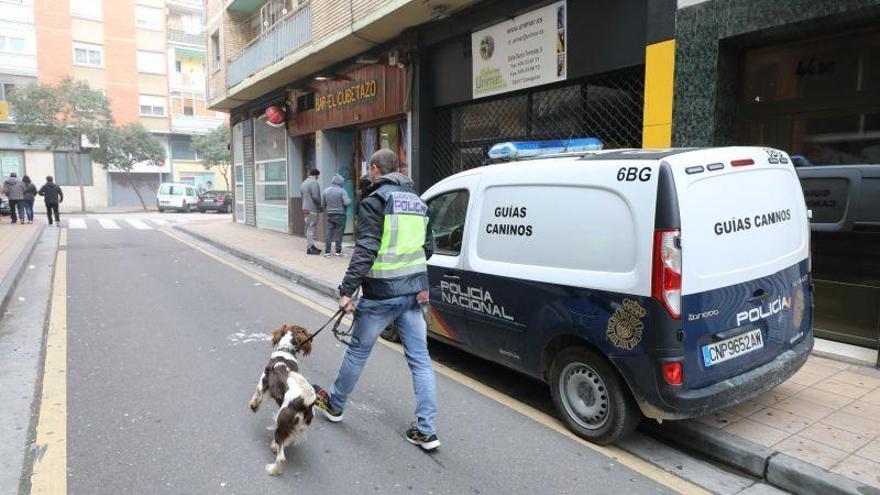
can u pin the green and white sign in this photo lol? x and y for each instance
(528, 50)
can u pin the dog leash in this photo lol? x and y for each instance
(342, 336)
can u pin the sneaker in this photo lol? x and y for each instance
(426, 442)
(323, 405)
(326, 255)
(339, 255)
(313, 250)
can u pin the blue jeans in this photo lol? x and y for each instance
(370, 318)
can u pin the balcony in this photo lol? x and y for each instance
(181, 36)
(284, 37)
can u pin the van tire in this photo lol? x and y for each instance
(596, 375)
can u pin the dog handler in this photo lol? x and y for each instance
(389, 263)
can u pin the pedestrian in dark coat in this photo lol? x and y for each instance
(30, 192)
(13, 188)
(54, 196)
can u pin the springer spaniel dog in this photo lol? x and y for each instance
(293, 393)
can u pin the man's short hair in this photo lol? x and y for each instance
(314, 172)
(386, 160)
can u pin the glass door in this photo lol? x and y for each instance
(270, 176)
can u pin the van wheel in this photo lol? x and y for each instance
(591, 397)
(390, 333)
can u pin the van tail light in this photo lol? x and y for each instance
(666, 283)
(673, 372)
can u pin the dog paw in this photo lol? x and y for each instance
(273, 469)
(274, 447)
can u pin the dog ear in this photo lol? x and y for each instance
(302, 338)
(277, 334)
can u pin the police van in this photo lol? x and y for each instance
(664, 283)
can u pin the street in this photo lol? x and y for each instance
(156, 341)
(165, 346)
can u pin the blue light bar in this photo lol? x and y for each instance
(513, 150)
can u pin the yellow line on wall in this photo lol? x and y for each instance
(659, 85)
(631, 461)
(49, 475)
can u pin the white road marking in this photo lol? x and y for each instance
(108, 224)
(138, 224)
(159, 221)
(76, 223)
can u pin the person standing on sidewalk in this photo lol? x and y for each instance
(30, 192)
(311, 198)
(389, 264)
(335, 202)
(53, 196)
(14, 190)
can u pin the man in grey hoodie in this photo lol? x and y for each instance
(14, 190)
(311, 198)
(335, 201)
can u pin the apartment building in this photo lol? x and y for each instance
(148, 58)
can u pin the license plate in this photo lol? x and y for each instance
(732, 347)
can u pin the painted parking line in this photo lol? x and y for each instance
(159, 221)
(108, 224)
(77, 223)
(49, 475)
(631, 461)
(138, 224)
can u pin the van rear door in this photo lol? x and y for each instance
(745, 259)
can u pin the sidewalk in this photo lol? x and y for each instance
(17, 241)
(827, 415)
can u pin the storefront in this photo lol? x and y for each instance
(519, 70)
(341, 119)
(807, 81)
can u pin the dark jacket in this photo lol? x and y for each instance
(30, 191)
(370, 221)
(52, 193)
(13, 188)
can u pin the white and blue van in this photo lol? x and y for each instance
(664, 283)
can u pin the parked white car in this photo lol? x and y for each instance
(175, 196)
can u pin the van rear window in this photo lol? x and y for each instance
(558, 226)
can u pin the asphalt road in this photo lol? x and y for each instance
(165, 346)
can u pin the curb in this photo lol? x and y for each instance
(775, 468)
(16, 270)
(294, 275)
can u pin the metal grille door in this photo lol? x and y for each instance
(607, 106)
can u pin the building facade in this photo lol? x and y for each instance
(146, 56)
(453, 79)
(802, 76)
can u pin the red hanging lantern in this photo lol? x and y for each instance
(276, 116)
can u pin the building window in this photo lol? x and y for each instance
(215, 49)
(152, 106)
(151, 62)
(88, 55)
(65, 172)
(181, 148)
(11, 161)
(87, 9)
(177, 66)
(148, 17)
(189, 103)
(12, 44)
